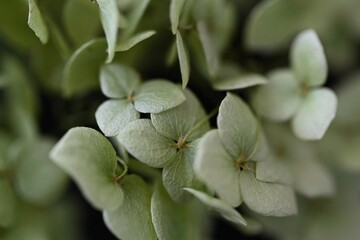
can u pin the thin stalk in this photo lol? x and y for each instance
(200, 123)
(125, 169)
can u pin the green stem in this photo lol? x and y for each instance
(185, 27)
(257, 144)
(200, 123)
(58, 39)
(124, 153)
(125, 169)
(143, 169)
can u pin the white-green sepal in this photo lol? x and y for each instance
(219, 206)
(269, 199)
(240, 81)
(217, 169)
(109, 16)
(279, 99)
(113, 115)
(118, 81)
(157, 96)
(180, 121)
(132, 219)
(36, 22)
(315, 114)
(308, 59)
(183, 60)
(142, 140)
(238, 127)
(89, 158)
(176, 7)
(134, 40)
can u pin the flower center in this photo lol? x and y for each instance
(280, 151)
(304, 89)
(180, 144)
(131, 97)
(240, 163)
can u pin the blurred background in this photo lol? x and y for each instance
(39, 103)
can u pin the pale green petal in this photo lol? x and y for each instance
(269, 199)
(315, 114)
(217, 169)
(238, 127)
(8, 204)
(219, 206)
(210, 51)
(132, 220)
(231, 77)
(109, 16)
(179, 121)
(312, 179)
(134, 17)
(308, 59)
(171, 220)
(240, 81)
(134, 40)
(118, 81)
(113, 115)
(142, 140)
(81, 72)
(39, 181)
(274, 171)
(262, 151)
(279, 99)
(37, 23)
(89, 158)
(176, 7)
(183, 60)
(158, 95)
(180, 174)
